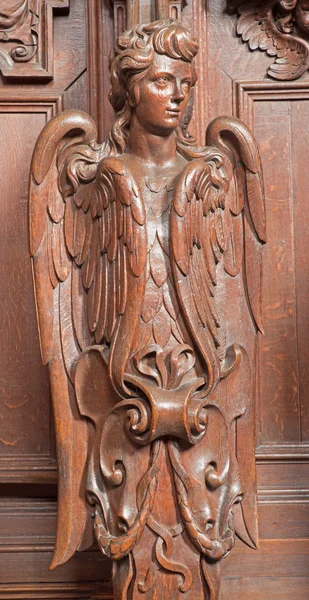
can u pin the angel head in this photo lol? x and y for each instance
(152, 76)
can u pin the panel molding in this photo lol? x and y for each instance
(39, 469)
(17, 518)
(282, 452)
(30, 468)
(55, 591)
(269, 495)
(50, 103)
(27, 39)
(245, 93)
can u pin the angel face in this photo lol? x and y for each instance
(163, 95)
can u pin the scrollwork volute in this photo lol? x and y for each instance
(142, 248)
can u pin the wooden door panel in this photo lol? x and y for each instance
(25, 399)
(232, 80)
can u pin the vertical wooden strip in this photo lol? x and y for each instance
(196, 20)
(99, 47)
(299, 143)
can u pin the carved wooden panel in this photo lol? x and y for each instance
(56, 591)
(232, 81)
(275, 116)
(26, 38)
(25, 429)
(271, 109)
(27, 436)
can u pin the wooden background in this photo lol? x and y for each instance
(70, 70)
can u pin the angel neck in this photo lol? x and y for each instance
(152, 150)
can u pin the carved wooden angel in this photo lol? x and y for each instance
(147, 271)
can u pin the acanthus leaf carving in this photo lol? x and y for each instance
(279, 28)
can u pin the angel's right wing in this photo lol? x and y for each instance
(88, 247)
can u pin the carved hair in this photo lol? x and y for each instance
(133, 55)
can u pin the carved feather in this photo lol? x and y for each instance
(89, 247)
(242, 155)
(197, 240)
(258, 27)
(245, 219)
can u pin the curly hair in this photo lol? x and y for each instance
(133, 55)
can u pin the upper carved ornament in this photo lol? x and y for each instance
(278, 28)
(26, 44)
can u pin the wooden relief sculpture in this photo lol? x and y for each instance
(279, 28)
(26, 38)
(147, 270)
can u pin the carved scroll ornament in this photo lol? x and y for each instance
(26, 38)
(144, 249)
(280, 28)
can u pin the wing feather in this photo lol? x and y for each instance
(44, 299)
(102, 320)
(79, 235)
(61, 259)
(88, 283)
(88, 268)
(260, 28)
(195, 231)
(241, 151)
(87, 239)
(112, 291)
(246, 221)
(80, 310)
(94, 296)
(55, 202)
(69, 224)
(51, 267)
(233, 256)
(69, 344)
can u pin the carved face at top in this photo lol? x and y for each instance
(163, 94)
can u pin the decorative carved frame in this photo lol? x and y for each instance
(26, 39)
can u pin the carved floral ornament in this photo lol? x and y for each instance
(143, 248)
(279, 28)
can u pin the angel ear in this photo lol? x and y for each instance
(133, 95)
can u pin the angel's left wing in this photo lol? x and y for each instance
(217, 232)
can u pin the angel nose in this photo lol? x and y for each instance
(178, 94)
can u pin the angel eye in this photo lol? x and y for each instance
(186, 85)
(162, 81)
